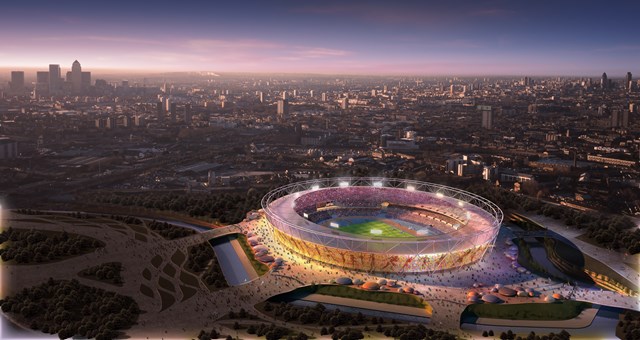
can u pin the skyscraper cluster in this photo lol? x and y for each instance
(52, 83)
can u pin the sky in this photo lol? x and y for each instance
(447, 37)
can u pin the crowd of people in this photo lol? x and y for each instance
(445, 290)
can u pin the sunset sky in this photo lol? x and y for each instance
(353, 37)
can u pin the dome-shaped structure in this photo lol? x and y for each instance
(473, 299)
(549, 299)
(522, 293)
(472, 293)
(265, 258)
(408, 290)
(345, 281)
(358, 282)
(490, 298)
(260, 247)
(382, 282)
(370, 286)
(557, 296)
(506, 291)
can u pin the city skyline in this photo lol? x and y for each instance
(376, 38)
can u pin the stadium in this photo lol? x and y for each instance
(382, 224)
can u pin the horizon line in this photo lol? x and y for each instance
(139, 71)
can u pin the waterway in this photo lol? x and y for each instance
(233, 267)
(10, 331)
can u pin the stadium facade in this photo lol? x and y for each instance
(439, 227)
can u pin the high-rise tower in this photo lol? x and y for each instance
(604, 82)
(55, 79)
(282, 110)
(76, 77)
(17, 82)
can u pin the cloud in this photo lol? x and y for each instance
(174, 52)
(203, 44)
(100, 38)
(319, 52)
(378, 14)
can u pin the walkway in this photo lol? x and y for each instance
(615, 260)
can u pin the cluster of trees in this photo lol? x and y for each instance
(273, 332)
(347, 334)
(29, 212)
(225, 207)
(124, 219)
(170, 231)
(418, 331)
(107, 272)
(509, 335)
(204, 335)
(33, 246)
(609, 231)
(71, 309)
(198, 260)
(315, 315)
(629, 326)
(407, 332)
(319, 315)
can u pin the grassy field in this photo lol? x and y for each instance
(260, 267)
(366, 227)
(563, 310)
(382, 297)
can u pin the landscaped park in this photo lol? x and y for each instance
(175, 283)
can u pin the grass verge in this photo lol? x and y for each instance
(563, 310)
(259, 267)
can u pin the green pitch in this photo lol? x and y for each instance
(364, 229)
